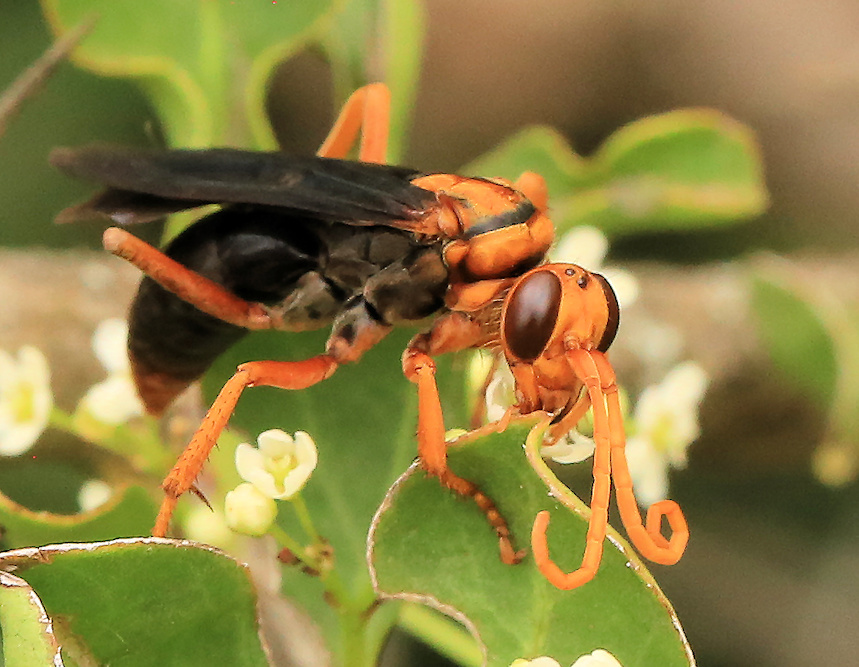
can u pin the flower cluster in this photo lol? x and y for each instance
(276, 469)
(27, 405)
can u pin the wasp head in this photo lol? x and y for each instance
(552, 309)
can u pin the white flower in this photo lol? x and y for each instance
(587, 247)
(281, 465)
(542, 661)
(25, 399)
(574, 447)
(249, 511)
(93, 494)
(599, 658)
(500, 393)
(666, 422)
(114, 400)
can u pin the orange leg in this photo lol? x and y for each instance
(533, 186)
(587, 371)
(205, 294)
(648, 540)
(282, 374)
(367, 110)
(574, 416)
(454, 331)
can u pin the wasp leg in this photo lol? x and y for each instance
(533, 186)
(587, 371)
(281, 374)
(648, 540)
(367, 110)
(568, 422)
(188, 285)
(454, 331)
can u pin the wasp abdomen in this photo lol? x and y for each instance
(307, 272)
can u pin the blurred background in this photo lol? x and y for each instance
(771, 576)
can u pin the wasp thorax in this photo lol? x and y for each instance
(530, 314)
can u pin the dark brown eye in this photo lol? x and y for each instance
(613, 314)
(531, 313)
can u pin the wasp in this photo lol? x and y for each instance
(301, 243)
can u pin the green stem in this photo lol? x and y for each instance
(304, 519)
(352, 637)
(284, 539)
(444, 634)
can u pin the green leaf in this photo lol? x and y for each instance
(128, 513)
(379, 40)
(27, 637)
(795, 338)
(143, 602)
(685, 169)
(205, 64)
(402, 43)
(812, 337)
(428, 543)
(363, 421)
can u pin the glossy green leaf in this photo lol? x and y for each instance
(143, 602)
(27, 637)
(205, 64)
(680, 170)
(428, 543)
(130, 512)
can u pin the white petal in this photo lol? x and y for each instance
(250, 464)
(109, 343)
(687, 380)
(542, 661)
(17, 438)
(624, 284)
(572, 448)
(648, 471)
(297, 477)
(113, 401)
(305, 449)
(275, 443)
(93, 494)
(25, 399)
(500, 393)
(585, 246)
(599, 658)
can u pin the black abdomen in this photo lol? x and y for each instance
(303, 268)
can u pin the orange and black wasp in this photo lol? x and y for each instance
(302, 243)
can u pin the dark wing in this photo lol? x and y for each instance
(144, 185)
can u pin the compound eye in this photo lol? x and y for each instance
(613, 314)
(531, 313)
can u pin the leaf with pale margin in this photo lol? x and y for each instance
(144, 601)
(205, 65)
(429, 545)
(681, 170)
(128, 513)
